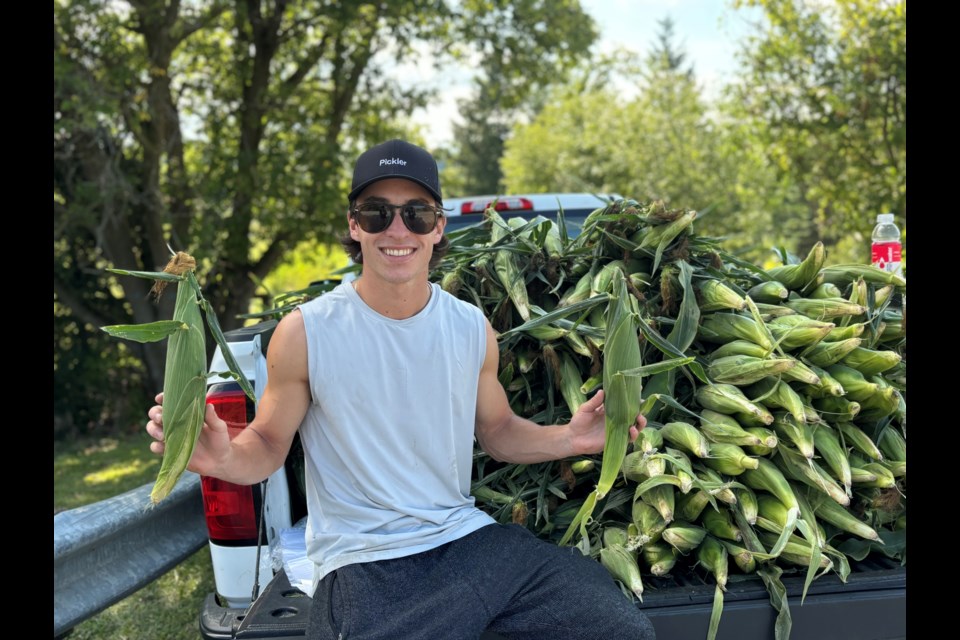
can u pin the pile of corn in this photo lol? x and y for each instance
(775, 398)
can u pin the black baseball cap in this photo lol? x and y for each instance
(396, 159)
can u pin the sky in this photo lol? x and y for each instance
(707, 30)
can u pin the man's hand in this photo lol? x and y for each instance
(213, 445)
(588, 429)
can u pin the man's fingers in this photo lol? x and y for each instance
(594, 403)
(157, 447)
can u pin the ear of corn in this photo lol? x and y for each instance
(801, 372)
(661, 498)
(648, 520)
(713, 557)
(779, 394)
(810, 473)
(829, 511)
(836, 409)
(639, 466)
(719, 427)
(719, 523)
(659, 557)
(742, 557)
(739, 348)
(622, 392)
(797, 433)
(857, 438)
(747, 500)
(844, 274)
(797, 551)
(684, 537)
(184, 389)
(827, 442)
(724, 327)
(771, 311)
(745, 370)
(826, 290)
(769, 292)
(686, 437)
(690, 506)
(796, 276)
(769, 478)
(614, 535)
(570, 383)
(845, 333)
(823, 354)
(729, 459)
(798, 331)
(768, 441)
(623, 567)
(714, 295)
(870, 361)
(827, 385)
(728, 399)
(825, 308)
(892, 444)
(856, 386)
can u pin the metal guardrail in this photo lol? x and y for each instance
(105, 551)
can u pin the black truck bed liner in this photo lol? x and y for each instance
(871, 605)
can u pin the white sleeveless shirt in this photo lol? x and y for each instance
(388, 437)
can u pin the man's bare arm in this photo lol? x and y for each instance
(509, 438)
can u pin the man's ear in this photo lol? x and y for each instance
(438, 232)
(354, 230)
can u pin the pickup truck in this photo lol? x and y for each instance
(254, 597)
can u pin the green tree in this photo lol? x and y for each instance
(638, 128)
(511, 83)
(227, 129)
(822, 98)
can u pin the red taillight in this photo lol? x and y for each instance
(503, 204)
(229, 508)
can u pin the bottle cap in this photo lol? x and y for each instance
(884, 217)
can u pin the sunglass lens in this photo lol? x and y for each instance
(374, 218)
(419, 220)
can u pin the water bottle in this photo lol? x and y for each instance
(885, 252)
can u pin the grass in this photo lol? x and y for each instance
(88, 471)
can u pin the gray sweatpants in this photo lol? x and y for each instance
(499, 578)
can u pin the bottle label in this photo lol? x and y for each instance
(886, 256)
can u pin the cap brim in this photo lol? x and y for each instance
(359, 189)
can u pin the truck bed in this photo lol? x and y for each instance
(871, 605)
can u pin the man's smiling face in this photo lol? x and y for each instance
(396, 254)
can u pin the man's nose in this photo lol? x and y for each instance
(397, 228)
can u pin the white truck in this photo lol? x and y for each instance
(254, 601)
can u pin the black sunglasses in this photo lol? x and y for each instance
(374, 217)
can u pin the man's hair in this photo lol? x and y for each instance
(352, 247)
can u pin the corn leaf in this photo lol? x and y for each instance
(146, 332)
(770, 574)
(149, 275)
(217, 333)
(715, 613)
(688, 317)
(558, 314)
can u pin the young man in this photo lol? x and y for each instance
(389, 379)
